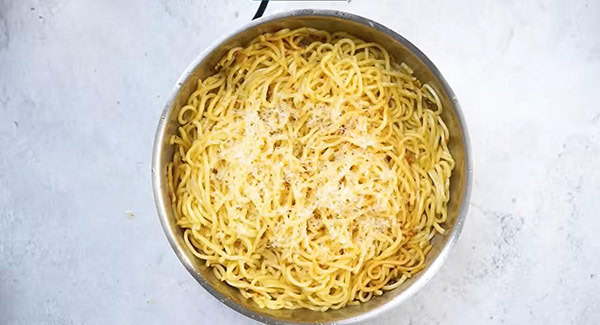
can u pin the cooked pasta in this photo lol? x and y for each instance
(311, 170)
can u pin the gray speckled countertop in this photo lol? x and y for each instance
(82, 84)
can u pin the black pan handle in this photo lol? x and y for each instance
(261, 9)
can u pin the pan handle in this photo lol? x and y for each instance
(261, 9)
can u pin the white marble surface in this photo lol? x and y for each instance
(82, 84)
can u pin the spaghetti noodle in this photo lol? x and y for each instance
(311, 170)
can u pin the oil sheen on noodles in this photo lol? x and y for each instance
(311, 170)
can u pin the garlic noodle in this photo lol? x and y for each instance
(311, 170)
